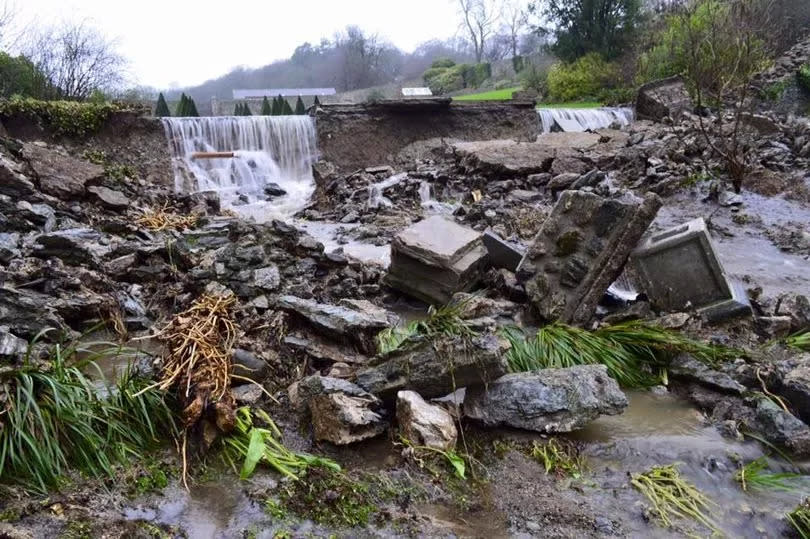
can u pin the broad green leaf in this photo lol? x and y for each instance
(254, 454)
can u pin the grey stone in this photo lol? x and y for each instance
(502, 254)
(562, 181)
(581, 250)
(9, 247)
(74, 246)
(550, 400)
(436, 241)
(322, 351)
(26, 313)
(60, 175)
(343, 419)
(274, 190)
(267, 278)
(663, 98)
(13, 182)
(425, 424)
(797, 307)
(781, 427)
(339, 321)
(247, 365)
(12, 348)
(679, 270)
(794, 384)
(436, 368)
(247, 394)
(522, 195)
(773, 326)
(109, 198)
(687, 367)
(302, 391)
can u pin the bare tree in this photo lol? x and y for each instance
(478, 21)
(514, 22)
(77, 59)
(8, 12)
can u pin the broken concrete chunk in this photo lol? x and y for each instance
(436, 258)
(502, 254)
(794, 385)
(339, 321)
(679, 270)
(550, 400)
(663, 98)
(436, 368)
(580, 250)
(425, 424)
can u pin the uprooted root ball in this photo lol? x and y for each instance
(158, 219)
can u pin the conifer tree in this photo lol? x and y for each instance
(267, 110)
(286, 108)
(277, 106)
(192, 107)
(299, 106)
(181, 106)
(162, 109)
(237, 109)
(246, 110)
(317, 102)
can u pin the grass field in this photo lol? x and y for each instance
(494, 95)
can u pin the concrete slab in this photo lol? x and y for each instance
(436, 241)
(502, 254)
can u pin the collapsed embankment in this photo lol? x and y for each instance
(355, 136)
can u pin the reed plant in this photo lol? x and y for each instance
(799, 341)
(561, 460)
(756, 476)
(55, 418)
(440, 321)
(799, 518)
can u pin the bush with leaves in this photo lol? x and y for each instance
(803, 77)
(65, 118)
(583, 79)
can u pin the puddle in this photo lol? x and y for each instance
(327, 234)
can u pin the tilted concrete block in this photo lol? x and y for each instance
(679, 270)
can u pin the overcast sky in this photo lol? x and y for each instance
(183, 43)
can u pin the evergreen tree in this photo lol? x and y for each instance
(286, 108)
(267, 110)
(317, 102)
(181, 107)
(237, 110)
(162, 109)
(299, 106)
(277, 106)
(192, 107)
(246, 110)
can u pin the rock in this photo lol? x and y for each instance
(663, 98)
(26, 313)
(12, 348)
(434, 259)
(274, 190)
(762, 124)
(60, 175)
(781, 427)
(687, 367)
(342, 413)
(351, 217)
(425, 424)
(324, 172)
(74, 246)
(472, 306)
(247, 395)
(562, 181)
(504, 159)
(342, 419)
(674, 320)
(522, 195)
(794, 385)
(434, 369)
(9, 247)
(247, 365)
(109, 198)
(267, 278)
(382, 169)
(797, 307)
(729, 198)
(340, 321)
(581, 250)
(321, 350)
(502, 254)
(774, 327)
(550, 400)
(13, 182)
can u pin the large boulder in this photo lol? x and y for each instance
(435, 368)
(663, 98)
(425, 424)
(782, 428)
(797, 307)
(13, 182)
(550, 400)
(61, 175)
(74, 246)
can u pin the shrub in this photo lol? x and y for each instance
(456, 77)
(803, 77)
(535, 79)
(582, 79)
(162, 108)
(66, 118)
(614, 97)
(442, 63)
(19, 76)
(375, 96)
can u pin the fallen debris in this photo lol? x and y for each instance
(581, 250)
(549, 400)
(157, 219)
(434, 259)
(425, 424)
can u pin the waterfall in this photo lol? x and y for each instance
(266, 150)
(584, 119)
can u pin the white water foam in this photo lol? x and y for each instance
(578, 120)
(267, 149)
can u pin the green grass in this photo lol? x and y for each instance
(755, 475)
(493, 95)
(633, 352)
(799, 518)
(571, 105)
(562, 461)
(673, 497)
(55, 419)
(800, 341)
(440, 321)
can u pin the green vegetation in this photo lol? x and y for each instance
(632, 351)
(800, 341)
(493, 95)
(300, 109)
(186, 107)
(375, 96)
(803, 77)
(673, 497)
(66, 118)
(446, 76)
(253, 445)
(439, 321)
(799, 518)
(20, 77)
(267, 110)
(151, 477)
(582, 80)
(561, 460)
(755, 475)
(112, 170)
(286, 109)
(317, 102)
(456, 461)
(57, 418)
(277, 106)
(162, 108)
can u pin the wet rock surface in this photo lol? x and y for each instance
(425, 424)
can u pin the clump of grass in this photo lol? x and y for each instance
(441, 321)
(800, 341)
(54, 418)
(456, 461)
(799, 518)
(163, 218)
(632, 352)
(755, 475)
(561, 460)
(672, 496)
(252, 445)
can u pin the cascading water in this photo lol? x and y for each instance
(576, 120)
(266, 150)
